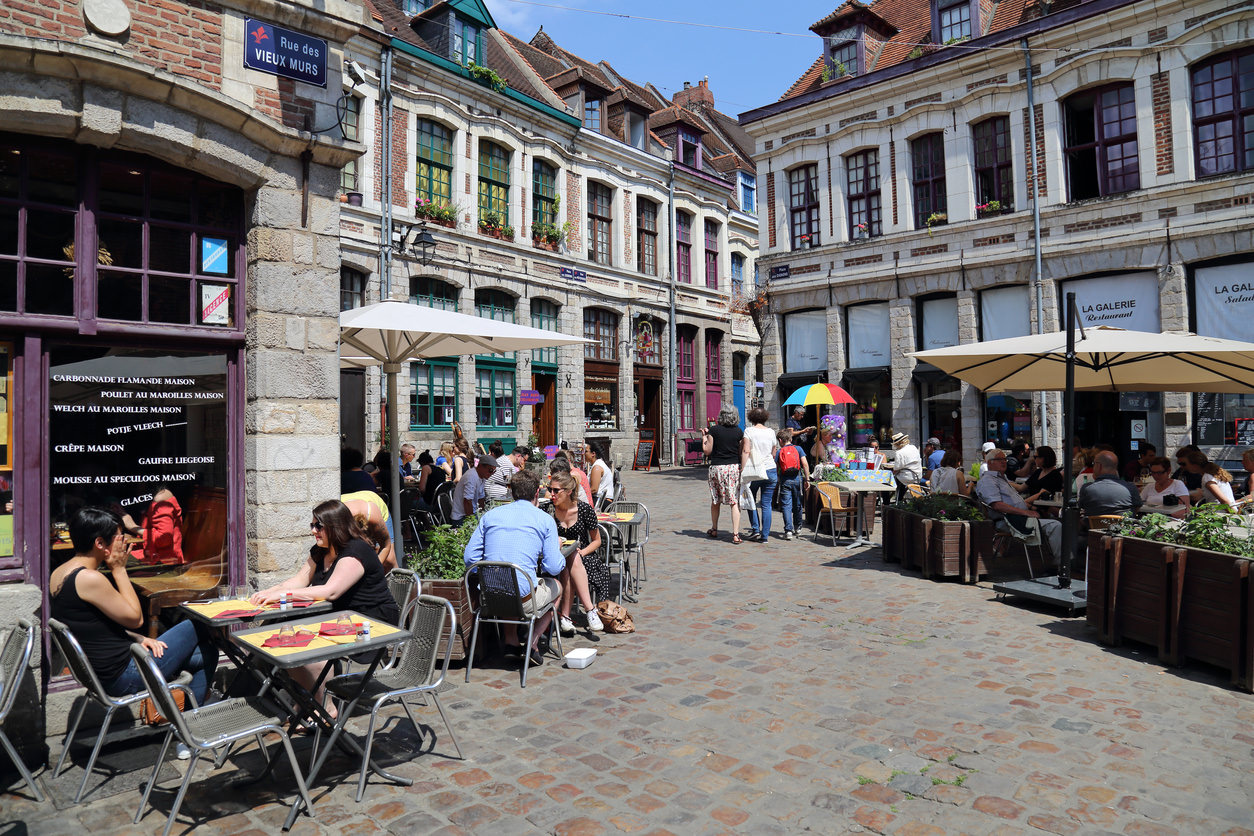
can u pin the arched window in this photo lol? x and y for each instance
(493, 183)
(544, 317)
(994, 174)
(803, 206)
(600, 222)
(1223, 113)
(543, 194)
(1101, 147)
(432, 293)
(683, 247)
(646, 228)
(435, 163)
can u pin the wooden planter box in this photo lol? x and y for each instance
(1211, 610)
(892, 542)
(918, 535)
(948, 546)
(454, 592)
(541, 244)
(1096, 610)
(1137, 580)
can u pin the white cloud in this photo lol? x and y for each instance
(518, 19)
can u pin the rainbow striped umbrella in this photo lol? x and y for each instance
(819, 393)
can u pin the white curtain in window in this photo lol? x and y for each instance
(868, 336)
(1224, 300)
(805, 340)
(940, 322)
(1128, 301)
(1004, 313)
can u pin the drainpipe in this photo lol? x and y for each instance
(1036, 228)
(673, 399)
(385, 211)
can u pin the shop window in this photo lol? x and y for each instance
(683, 247)
(941, 399)
(352, 288)
(600, 403)
(1101, 147)
(1004, 312)
(600, 222)
(994, 176)
(434, 400)
(435, 164)
(600, 326)
(646, 228)
(544, 317)
(1007, 416)
(1223, 113)
(493, 184)
(862, 172)
(867, 333)
(938, 322)
(149, 243)
(543, 194)
(871, 416)
(927, 181)
(494, 396)
(803, 206)
(805, 341)
(711, 254)
(350, 120)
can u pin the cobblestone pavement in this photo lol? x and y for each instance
(784, 688)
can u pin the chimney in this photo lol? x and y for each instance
(699, 95)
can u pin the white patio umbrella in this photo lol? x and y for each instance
(1106, 360)
(389, 334)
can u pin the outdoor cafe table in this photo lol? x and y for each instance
(281, 660)
(626, 526)
(221, 614)
(860, 482)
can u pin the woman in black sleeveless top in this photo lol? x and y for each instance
(102, 613)
(342, 568)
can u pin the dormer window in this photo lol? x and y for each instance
(413, 7)
(467, 43)
(689, 148)
(592, 113)
(637, 125)
(844, 59)
(953, 20)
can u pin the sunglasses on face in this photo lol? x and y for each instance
(555, 489)
(1157, 472)
(316, 526)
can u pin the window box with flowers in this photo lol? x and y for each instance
(935, 219)
(805, 242)
(438, 212)
(861, 231)
(549, 236)
(494, 226)
(991, 209)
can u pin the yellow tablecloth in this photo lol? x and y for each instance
(377, 629)
(213, 608)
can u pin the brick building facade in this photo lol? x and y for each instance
(901, 210)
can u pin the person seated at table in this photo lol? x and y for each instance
(1045, 480)
(877, 458)
(933, 455)
(522, 534)
(103, 612)
(1216, 482)
(1165, 491)
(985, 448)
(1191, 479)
(1108, 494)
(444, 458)
(561, 464)
(1019, 461)
(161, 530)
(468, 496)
(406, 463)
(342, 568)
(821, 448)
(1138, 468)
(463, 458)
(372, 506)
(1004, 501)
(948, 476)
(352, 477)
(1247, 461)
(586, 574)
(1083, 468)
(496, 486)
(430, 477)
(907, 464)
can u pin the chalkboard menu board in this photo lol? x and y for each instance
(644, 456)
(1208, 418)
(124, 423)
(1244, 432)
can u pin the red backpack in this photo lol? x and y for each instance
(789, 461)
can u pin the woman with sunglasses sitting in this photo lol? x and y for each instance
(586, 573)
(342, 568)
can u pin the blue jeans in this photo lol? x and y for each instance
(763, 491)
(188, 647)
(790, 498)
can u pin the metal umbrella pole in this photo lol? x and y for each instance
(1070, 511)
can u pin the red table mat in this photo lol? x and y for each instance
(293, 604)
(331, 628)
(238, 613)
(298, 640)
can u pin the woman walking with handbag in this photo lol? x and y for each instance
(725, 445)
(762, 466)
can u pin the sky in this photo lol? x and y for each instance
(747, 69)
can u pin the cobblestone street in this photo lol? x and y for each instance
(779, 688)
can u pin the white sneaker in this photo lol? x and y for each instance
(788, 535)
(594, 622)
(565, 626)
(182, 752)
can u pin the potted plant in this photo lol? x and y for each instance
(439, 212)
(935, 219)
(860, 231)
(537, 462)
(441, 567)
(985, 210)
(493, 225)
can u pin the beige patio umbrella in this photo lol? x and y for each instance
(389, 334)
(1107, 359)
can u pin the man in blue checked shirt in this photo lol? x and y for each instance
(521, 534)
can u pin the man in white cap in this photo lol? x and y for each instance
(907, 464)
(985, 449)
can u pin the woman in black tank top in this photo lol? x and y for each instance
(103, 613)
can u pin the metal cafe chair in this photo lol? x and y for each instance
(14, 659)
(500, 602)
(206, 729)
(637, 537)
(86, 676)
(832, 503)
(416, 674)
(614, 553)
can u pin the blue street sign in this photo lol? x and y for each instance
(278, 51)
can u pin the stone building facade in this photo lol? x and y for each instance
(901, 211)
(550, 195)
(169, 268)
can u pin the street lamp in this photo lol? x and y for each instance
(422, 246)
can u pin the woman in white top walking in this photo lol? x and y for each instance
(764, 445)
